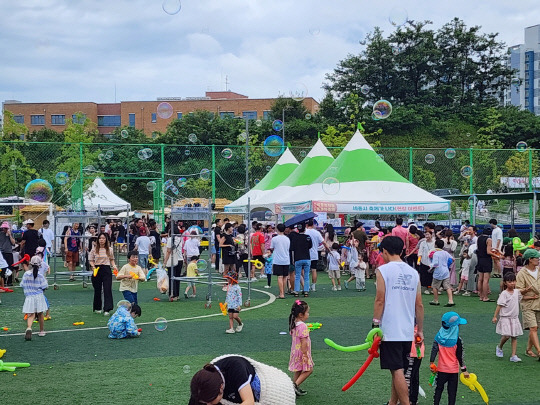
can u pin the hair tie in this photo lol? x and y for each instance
(298, 302)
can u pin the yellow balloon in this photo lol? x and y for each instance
(474, 385)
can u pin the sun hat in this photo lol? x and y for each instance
(35, 261)
(453, 319)
(531, 254)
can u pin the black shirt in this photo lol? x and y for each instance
(121, 231)
(237, 372)
(31, 238)
(217, 232)
(481, 247)
(156, 249)
(300, 245)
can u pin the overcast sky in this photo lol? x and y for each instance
(78, 50)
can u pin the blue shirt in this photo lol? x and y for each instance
(440, 263)
(122, 324)
(33, 286)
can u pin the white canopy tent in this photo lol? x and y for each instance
(99, 196)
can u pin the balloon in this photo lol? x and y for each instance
(473, 384)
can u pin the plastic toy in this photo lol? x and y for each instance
(5, 328)
(96, 269)
(134, 275)
(314, 325)
(12, 366)
(157, 299)
(115, 272)
(5, 289)
(373, 340)
(152, 261)
(418, 351)
(26, 258)
(78, 323)
(433, 369)
(150, 273)
(2, 352)
(139, 330)
(474, 385)
(257, 263)
(223, 308)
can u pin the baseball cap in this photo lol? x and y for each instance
(30, 221)
(530, 254)
(453, 319)
(5, 224)
(35, 261)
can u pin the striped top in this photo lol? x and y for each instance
(101, 257)
(33, 286)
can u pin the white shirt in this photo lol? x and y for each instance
(316, 239)
(333, 260)
(280, 245)
(191, 246)
(534, 273)
(48, 235)
(401, 284)
(143, 245)
(496, 235)
(424, 248)
(176, 250)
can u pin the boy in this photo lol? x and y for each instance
(142, 246)
(192, 272)
(440, 263)
(191, 246)
(121, 324)
(234, 303)
(129, 276)
(333, 267)
(47, 234)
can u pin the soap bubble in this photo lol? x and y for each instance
(171, 7)
(268, 168)
(515, 81)
(38, 190)
(303, 153)
(450, 153)
(227, 153)
(398, 16)
(273, 145)
(168, 184)
(109, 154)
(186, 369)
(521, 146)
(90, 168)
(101, 156)
(164, 110)
(277, 125)
(205, 174)
(256, 181)
(268, 215)
(429, 158)
(192, 138)
(160, 324)
(308, 116)
(468, 134)
(466, 171)
(174, 190)
(151, 185)
(61, 178)
(299, 92)
(123, 187)
(314, 31)
(242, 137)
(145, 153)
(258, 123)
(381, 156)
(364, 89)
(375, 117)
(472, 200)
(382, 109)
(187, 152)
(124, 133)
(182, 181)
(330, 186)
(150, 203)
(202, 265)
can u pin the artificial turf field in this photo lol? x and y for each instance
(79, 364)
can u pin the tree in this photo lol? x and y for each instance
(12, 130)
(293, 109)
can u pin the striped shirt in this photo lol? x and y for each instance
(33, 286)
(101, 257)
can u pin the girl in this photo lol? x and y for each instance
(508, 261)
(33, 285)
(450, 245)
(300, 361)
(358, 266)
(465, 269)
(44, 270)
(102, 256)
(228, 249)
(508, 311)
(268, 270)
(234, 302)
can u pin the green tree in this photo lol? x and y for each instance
(11, 130)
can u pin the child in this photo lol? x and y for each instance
(192, 271)
(358, 266)
(300, 361)
(33, 285)
(129, 276)
(519, 263)
(234, 302)
(412, 372)
(464, 278)
(121, 324)
(440, 263)
(44, 270)
(449, 346)
(508, 262)
(191, 245)
(333, 267)
(268, 270)
(508, 325)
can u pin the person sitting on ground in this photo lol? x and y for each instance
(121, 324)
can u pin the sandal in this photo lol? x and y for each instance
(530, 353)
(306, 294)
(296, 294)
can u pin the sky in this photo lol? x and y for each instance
(118, 50)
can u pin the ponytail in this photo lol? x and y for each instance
(35, 271)
(299, 307)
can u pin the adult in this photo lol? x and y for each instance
(425, 246)
(484, 266)
(257, 248)
(528, 279)
(268, 235)
(155, 240)
(330, 237)
(300, 245)
(47, 234)
(496, 244)
(30, 238)
(90, 240)
(120, 232)
(401, 232)
(291, 233)
(242, 243)
(464, 226)
(174, 261)
(467, 237)
(316, 241)
(72, 245)
(398, 307)
(411, 250)
(280, 247)
(228, 250)
(217, 239)
(361, 236)
(429, 226)
(102, 257)
(6, 248)
(143, 246)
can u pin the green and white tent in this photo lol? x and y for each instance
(359, 182)
(314, 164)
(285, 165)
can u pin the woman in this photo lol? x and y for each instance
(530, 304)
(241, 241)
(330, 237)
(450, 245)
(102, 256)
(484, 266)
(237, 379)
(268, 235)
(425, 246)
(228, 251)
(174, 261)
(91, 240)
(62, 246)
(411, 250)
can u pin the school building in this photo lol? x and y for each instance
(142, 114)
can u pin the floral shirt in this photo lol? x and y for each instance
(122, 324)
(234, 297)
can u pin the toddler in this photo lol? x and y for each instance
(33, 285)
(234, 302)
(268, 270)
(333, 267)
(465, 268)
(121, 324)
(192, 271)
(300, 362)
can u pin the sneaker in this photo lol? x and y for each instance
(42, 333)
(186, 296)
(334, 289)
(450, 304)
(229, 331)
(192, 296)
(299, 391)
(105, 313)
(313, 287)
(71, 279)
(427, 292)
(254, 279)
(28, 334)
(515, 359)
(339, 288)
(346, 285)
(239, 328)
(47, 318)
(267, 286)
(224, 288)
(499, 352)
(466, 294)
(98, 311)
(456, 292)
(433, 303)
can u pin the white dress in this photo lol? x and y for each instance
(509, 324)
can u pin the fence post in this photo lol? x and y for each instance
(472, 210)
(411, 164)
(161, 193)
(213, 174)
(531, 201)
(81, 175)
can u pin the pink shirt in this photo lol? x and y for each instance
(402, 233)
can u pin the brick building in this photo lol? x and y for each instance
(141, 114)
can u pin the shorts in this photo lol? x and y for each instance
(120, 239)
(259, 258)
(485, 265)
(72, 257)
(445, 284)
(233, 311)
(334, 273)
(465, 277)
(314, 264)
(394, 355)
(531, 319)
(281, 270)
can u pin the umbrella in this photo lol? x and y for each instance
(297, 219)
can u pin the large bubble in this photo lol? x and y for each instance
(38, 190)
(164, 110)
(521, 146)
(277, 125)
(124, 133)
(160, 324)
(299, 92)
(466, 171)
(330, 186)
(364, 89)
(151, 185)
(171, 7)
(192, 138)
(182, 181)
(204, 174)
(227, 153)
(382, 109)
(273, 145)
(398, 16)
(61, 178)
(123, 187)
(145, 153)
(429, 158)
(450, 153)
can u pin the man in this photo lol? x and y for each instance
(72, 245)
(316, 240)
(398, 304)
(47, 234)
(300, 246)
(465, 225)
(361, 236)
(291, 233)
(401, 233)
(496, 244)
(217, 238)
(156, 241)
(6, 249)
(280, 247)
(30, 238)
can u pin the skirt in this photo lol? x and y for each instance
(34, 304)
(509, 327)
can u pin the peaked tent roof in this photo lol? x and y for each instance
(359, 181)
(100, 196)
(286, 164)
(313, 165)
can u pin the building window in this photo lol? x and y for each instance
(250, 115)
(81, 119)
(131, 120)
(266, 114)
(58, 119)
(19, 119)
(224, 114)
(108, 121)
(37, 119)
(179, 115)
(154, 117)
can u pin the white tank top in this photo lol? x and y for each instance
(401, 283)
